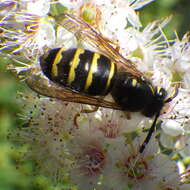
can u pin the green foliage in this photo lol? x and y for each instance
(178, 9)
(13, 177)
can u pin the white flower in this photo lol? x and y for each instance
(184, 171)
(47, 129)
(88, 153)
(28, 33)
(186, 78)
(7, 6)
(146, 45)
(115, 16)
(37, 7)
(44, 37)
(179, 54)
(150, 170)
(183, 145)
(27, 28)
(65, 39)
(122, 10)
(114, 123)
(177, 121)
(91, 159)
(71, 4)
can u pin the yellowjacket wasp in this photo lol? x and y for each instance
(83, 76)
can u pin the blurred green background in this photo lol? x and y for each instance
(179, 9)
(13, 178)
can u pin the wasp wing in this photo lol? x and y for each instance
(83, 31)
(47, 88)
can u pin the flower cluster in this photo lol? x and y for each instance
(100, 149)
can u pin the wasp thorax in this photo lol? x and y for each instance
(137, 95)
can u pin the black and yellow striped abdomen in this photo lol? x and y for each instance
(79, 69)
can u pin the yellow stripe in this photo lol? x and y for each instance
(111, 73)
(134, 82)
(152, 89)
(58, 57)
(158, 89)
(93, 69)
(74, 64)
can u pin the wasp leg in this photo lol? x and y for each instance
(152, 128)
(90, 110)
(83, 111)
(75, 120)
(175, 93)
(150, 132)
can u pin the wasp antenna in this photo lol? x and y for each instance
(173, 96)
(150, 132)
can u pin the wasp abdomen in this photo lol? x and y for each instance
(79, 69)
